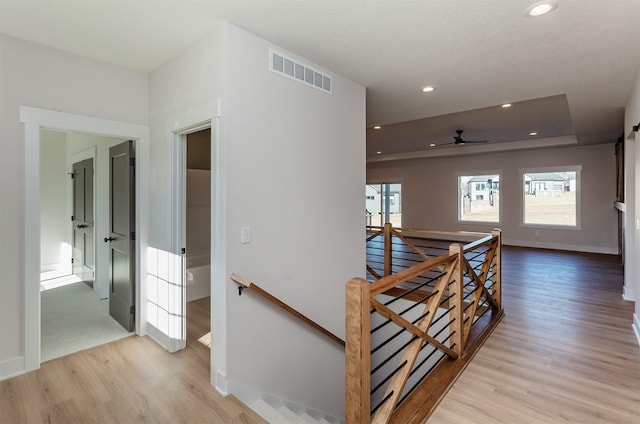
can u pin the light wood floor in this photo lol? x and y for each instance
(132, 380)
(564, 353)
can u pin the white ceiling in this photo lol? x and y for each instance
(568, 73)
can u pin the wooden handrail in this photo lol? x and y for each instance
(470, 246)
(250, 285)
(393, 280)
(426, 232)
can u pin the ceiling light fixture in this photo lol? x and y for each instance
(506, 105)
(377, 153)
(377, 127)
(533, 133)
(541, 8)
(432, 145)
(428, 89)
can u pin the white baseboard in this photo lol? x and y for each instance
(219, 382)
(628, 294)
(168, 343)
(158, 336)
(636, 327)
(55, 270)
(12, 367)
(561, 246)
(100, 292)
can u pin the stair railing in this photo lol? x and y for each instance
(409, 334)
(246, 284)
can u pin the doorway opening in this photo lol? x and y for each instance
(197, 212)
(203, 117)
(74, 262)
(34, 120)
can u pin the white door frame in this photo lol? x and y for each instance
(204, 116)
(35, 119)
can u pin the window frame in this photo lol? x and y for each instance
(552, 169)
(459, 196)
(390, 181)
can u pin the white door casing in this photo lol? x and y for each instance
(204, 116)
(34, 120)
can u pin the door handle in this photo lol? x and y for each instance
(106, 239)
(81, 226)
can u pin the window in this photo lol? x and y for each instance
(479, 198)
(384, 204)
(551, 196)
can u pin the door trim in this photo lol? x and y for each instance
(203, 116)
(35, 119)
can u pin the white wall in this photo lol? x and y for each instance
(193, 79)
(55, 247)
(287, 155)
(630, 258)
(37, 76)
(295, 175)
(429, 190)
(632, 200)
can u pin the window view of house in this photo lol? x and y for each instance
(550, 198)
(383, 204)
(479, 198)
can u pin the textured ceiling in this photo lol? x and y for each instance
(572, 69)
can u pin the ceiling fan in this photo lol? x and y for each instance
(459, 140)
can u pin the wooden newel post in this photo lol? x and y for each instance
(387, 249)
(457, 300)
(357, 352)
(497, 268)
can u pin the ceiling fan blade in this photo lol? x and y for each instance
(459, 140)
(473, 141)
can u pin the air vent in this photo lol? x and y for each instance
(290, 68)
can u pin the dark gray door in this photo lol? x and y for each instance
(83, 258)
(121, 236)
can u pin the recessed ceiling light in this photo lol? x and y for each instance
(533, 133)
(377, 153)
(432, 145)
(428, 89)
(377, 127)
(542, 8)
(506, 105)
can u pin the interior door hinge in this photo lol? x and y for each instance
(132, 161)
(133, 309)
(133, 236)
(72, 218)
(183, 251)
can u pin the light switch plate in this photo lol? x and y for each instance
(245, 235)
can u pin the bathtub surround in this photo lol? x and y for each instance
(198, 258)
